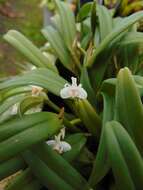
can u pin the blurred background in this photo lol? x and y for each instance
(25, 16)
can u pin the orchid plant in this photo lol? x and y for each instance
(123, 7)
(74, 120)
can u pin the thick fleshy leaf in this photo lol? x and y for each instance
(9, 103)
(30, 102)
(30, 136)
(105, 21)
(84, 11)
(77, 142)
(20, 180)
(11, 166)
(7, 93)
(39, 77)
(101, 164)
(58, 45)
(67, 20)
(119, 143)
(93, 18)
(132, 38)
(88, 116)
(84, 80)
(129, 109)
(46, 176)
(124, 25)
(19, 124)
(26, 47)
(59, 165)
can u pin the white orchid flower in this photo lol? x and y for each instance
(73, 90)
(58, 145)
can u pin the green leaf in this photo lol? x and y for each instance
(45, 175)
(30, 136)
(88, 116)
(20, 180)
(124, 25)
(84, 80)
(58, 45)
(128, 172)
(7, 93)
(128, 56)
(105, 21)
(101, 164)
(19, 124)
(9, 103)
(59, 165)
(67, 23)
(129, 109)
(77, 142)
(56, 22)
(30, 102)
(84, 11)
(11, 166)
(26, 47)
(40, 77)
(93, 18)
(132, 38)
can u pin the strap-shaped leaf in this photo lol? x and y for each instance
(59, 165)
(30, 102)
(67, 23)
(45, 175)
(124, 25)
(58, 44)
(17, 125)
(129, 109)
(7, 93)
(85, 81)
(132, 38)
(24, 181)
(93, 18)
(11, 166)
(125, 159)
(28, 137)
(9, 103)
(88, 116)
(20, 180)
(101, 163)
(26, 47)
(105, 21)
(40, 77)
(84, 12)
(77, 142)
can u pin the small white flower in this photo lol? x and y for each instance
(73, 90)
(58, 145)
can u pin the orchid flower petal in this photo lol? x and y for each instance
(73, 90)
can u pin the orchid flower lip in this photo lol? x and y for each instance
(73, 90)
